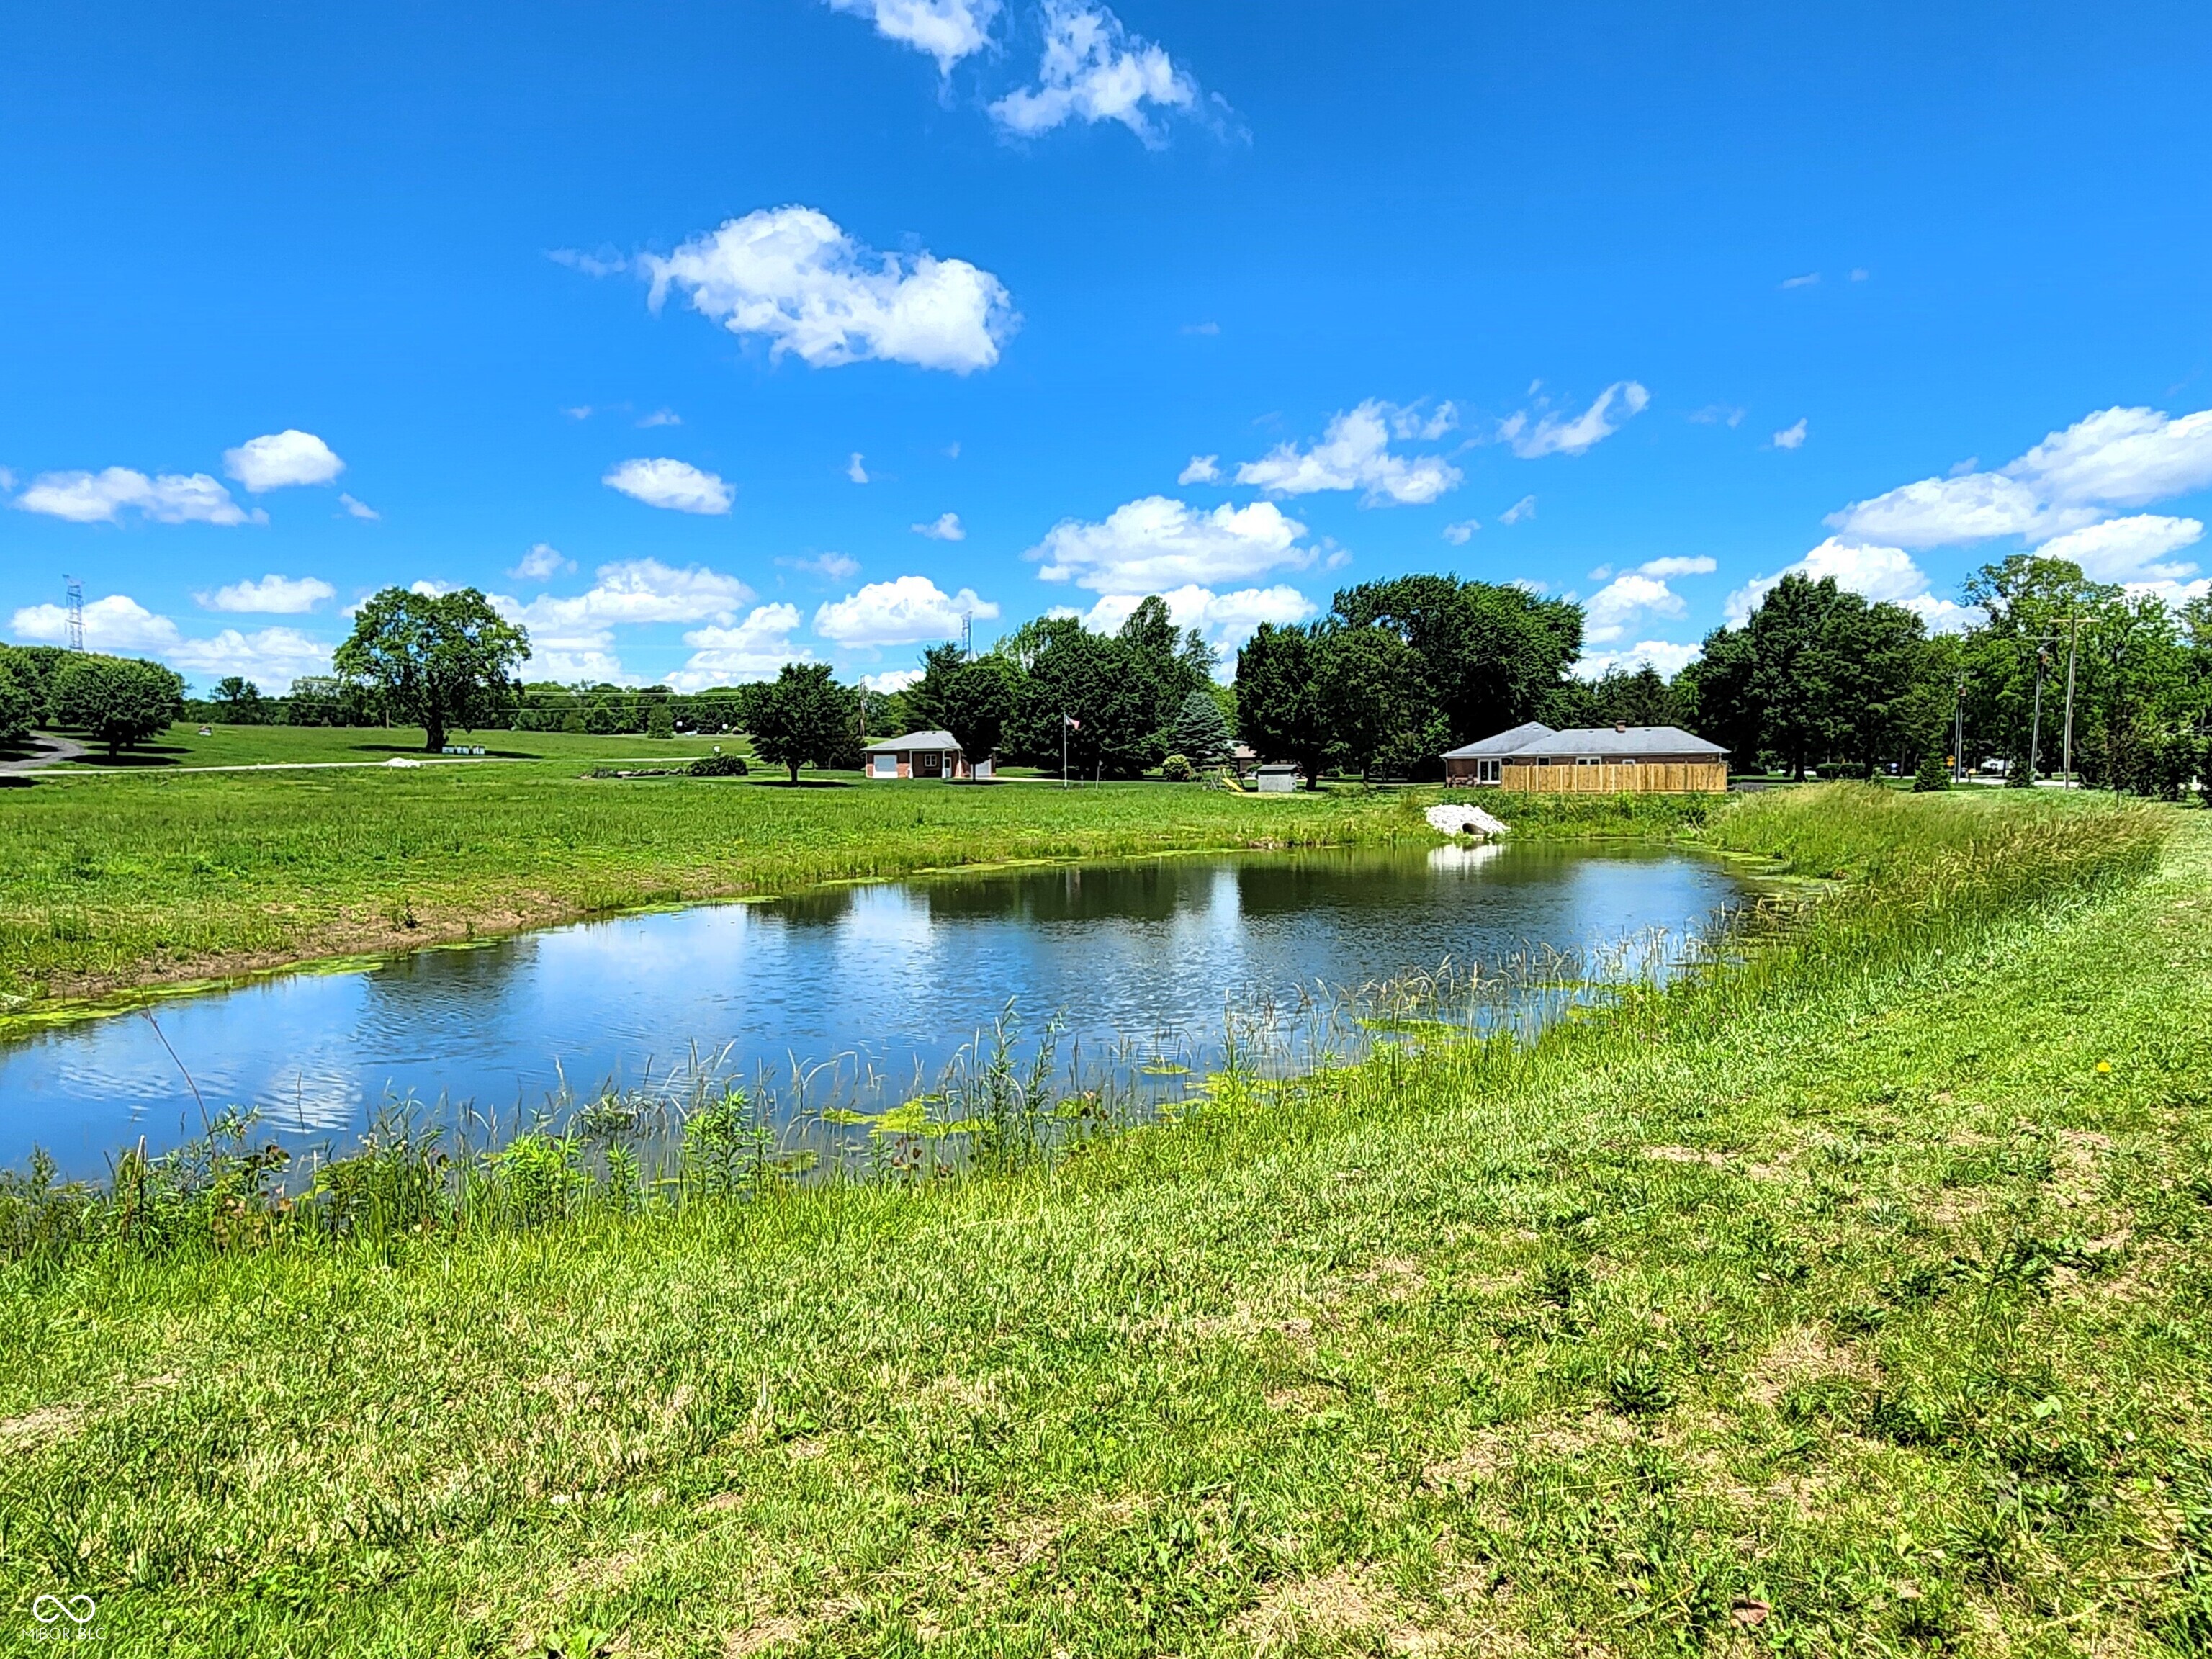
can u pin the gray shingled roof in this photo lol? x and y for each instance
(913, 740)
(1503, 744)
(1635, 743)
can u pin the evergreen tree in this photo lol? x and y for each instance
(1199, 733)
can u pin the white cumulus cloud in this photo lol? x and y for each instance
(1460, 534)
(1354, 453)
(1523, 508)
(542, 563)
(1153, 545)
(1669, 658)
(270, 657)
(274, 596)
(1696, 565)
(907, 611)
(1203, 469)
(356, 508)
(1791, 437)
(628, 592)
(1227, 620)
(100, 497)
(891, 680)
(752, 649)
(2115, 458)
(854, 471)
(1886, 574)
(2130, 550)
(944, 527)
(1623, 601)
(676, 485)
(836, 566)
(948, 30)
(1094, 70)
(1550, 434)
(280, 459)
(790, 276)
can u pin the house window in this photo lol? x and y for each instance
(1589, 760)
(1486, 771)
(928, 763)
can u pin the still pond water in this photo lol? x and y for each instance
(1138, 959)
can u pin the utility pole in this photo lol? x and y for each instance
(73, 597)
(1959, 731)
(2035, 721)
(2073, 638)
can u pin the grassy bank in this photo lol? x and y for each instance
(107, 883)
(1853, 1302)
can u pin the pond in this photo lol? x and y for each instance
(880, 984)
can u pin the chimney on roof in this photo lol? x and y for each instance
(1619, 726)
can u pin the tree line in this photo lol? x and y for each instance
(1814, 679)
(1818, 678)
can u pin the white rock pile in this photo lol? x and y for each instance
(1464, 821)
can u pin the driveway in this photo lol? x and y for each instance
(52, 751)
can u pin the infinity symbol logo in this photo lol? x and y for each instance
(47, 1608)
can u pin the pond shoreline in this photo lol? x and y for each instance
(870, 979)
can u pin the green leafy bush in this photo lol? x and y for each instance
(718, 766)
(1177, 769)
(1934, 773)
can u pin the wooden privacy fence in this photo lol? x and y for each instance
(1649, 777)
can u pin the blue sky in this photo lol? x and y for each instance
(595, 307)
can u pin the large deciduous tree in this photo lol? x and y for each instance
(18, 713)
(978, 701)
(1368, 679)
(1489, 654)
(1279, 711)
(1098, 681)
(439, 661)
(119, 701)
(803, 717)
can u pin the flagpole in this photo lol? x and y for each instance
(1063, 749)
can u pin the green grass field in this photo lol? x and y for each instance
(110, 881)
(273, 745)
(1853, 1300)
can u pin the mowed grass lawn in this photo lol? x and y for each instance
(116, 880)
(1853, 1304)
(275, 746)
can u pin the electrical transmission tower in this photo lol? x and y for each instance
(73, 598)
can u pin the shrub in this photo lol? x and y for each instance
(1177, 769)
(1934, 773)
(718, 766)
(660, 723)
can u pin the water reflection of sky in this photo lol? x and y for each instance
(900, 973)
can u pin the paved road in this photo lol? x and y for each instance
(52, 751)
